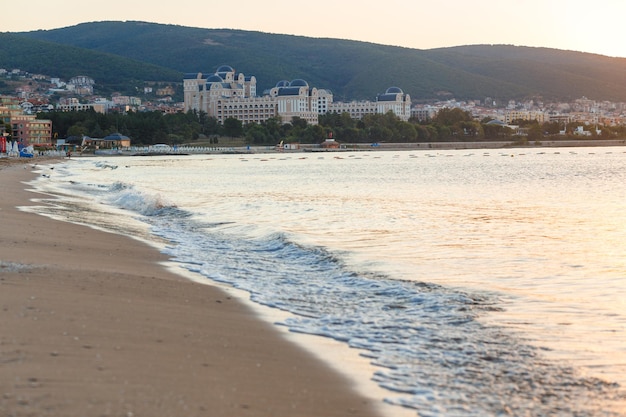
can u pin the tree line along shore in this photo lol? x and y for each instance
(198, 129)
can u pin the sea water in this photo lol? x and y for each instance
(479, 283)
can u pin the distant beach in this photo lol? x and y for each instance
(192, 149)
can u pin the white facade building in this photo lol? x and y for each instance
(81, 84)
(296, 99)
(511, 115)
(424, 113)
(227, 94)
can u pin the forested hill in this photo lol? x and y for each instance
(352, 70)
(113, 72)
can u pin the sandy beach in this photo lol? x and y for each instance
(92, 324)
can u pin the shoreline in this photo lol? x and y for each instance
(185, 150)
(95, 323)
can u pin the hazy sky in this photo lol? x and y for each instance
(596, 26)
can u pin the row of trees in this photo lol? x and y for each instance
(146, 128)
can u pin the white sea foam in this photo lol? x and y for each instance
(127, 197)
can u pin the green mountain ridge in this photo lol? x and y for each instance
(122, 53)
(43, 57)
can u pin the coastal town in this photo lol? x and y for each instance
(383, 209)
(228, 94)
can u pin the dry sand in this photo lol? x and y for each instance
(91, 324)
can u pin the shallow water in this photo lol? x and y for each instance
(479, 282)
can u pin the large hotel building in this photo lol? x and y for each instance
(227, 94)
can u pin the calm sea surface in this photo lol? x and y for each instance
(480, 283)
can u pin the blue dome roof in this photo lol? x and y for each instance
(298, 83)
(394, 90)
(214, 79)
(282, 83)
(225, 68)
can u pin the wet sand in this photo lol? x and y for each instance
(93, 324)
